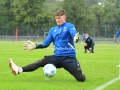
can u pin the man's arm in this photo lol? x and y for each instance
(29, 45)
(92, 41)
(47, 41)
(74, 34)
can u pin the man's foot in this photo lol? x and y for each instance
(118, 65)
(13, 67)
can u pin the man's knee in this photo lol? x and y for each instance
(78, 75)
(81, 78)
(85, 44)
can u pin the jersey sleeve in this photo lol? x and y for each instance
(118, 33)
(48, 39)
(72, 30)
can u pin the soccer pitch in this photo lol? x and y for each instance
(100, 69)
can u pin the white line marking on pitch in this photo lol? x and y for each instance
(107, 84)
(110, 82)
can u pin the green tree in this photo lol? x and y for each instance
(75, 12)
(80, 14)
(91, 2)
(6, 16)
(109, 20)
(28, 13)
(117, 15)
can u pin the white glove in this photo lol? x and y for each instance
(29, 45)
(76, 38)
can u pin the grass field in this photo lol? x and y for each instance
(99, 68)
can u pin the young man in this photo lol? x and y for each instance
(63, 37)
(89, 44)
(117, 34)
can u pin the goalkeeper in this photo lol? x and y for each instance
(63, 37)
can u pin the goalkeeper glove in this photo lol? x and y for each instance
(29, 45)
(76, 38)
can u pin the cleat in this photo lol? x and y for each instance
(13, 67)
(118, 65)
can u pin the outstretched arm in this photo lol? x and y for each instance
(117, 34)
(74, 34)
(29, 45)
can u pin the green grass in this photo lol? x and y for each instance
(99, 68)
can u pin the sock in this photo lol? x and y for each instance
(20, 70)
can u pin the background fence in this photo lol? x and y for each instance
(41, 38)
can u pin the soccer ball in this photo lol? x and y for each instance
(49, 70)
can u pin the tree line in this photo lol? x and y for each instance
(100, 18)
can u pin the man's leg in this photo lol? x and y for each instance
(90, 49)
(85, 48)
(73, 67)
(36, 65)
(77, 73)
(28, 68)
(93, 49)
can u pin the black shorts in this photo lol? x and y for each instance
(68, 63)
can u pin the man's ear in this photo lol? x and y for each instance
(64, 17)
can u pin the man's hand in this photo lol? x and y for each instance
(76, 38)
(114, 38)
(29, 45)
(85, 44)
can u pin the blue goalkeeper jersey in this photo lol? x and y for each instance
(63, 40)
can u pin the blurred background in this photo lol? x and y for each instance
(31, 19)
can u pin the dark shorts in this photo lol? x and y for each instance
(68, 63)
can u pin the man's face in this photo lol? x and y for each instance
(60, 19)
(87, 35)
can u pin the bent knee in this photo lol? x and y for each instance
(81, 78)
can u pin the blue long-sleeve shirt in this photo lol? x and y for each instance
(118, 33)
(61, 36)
